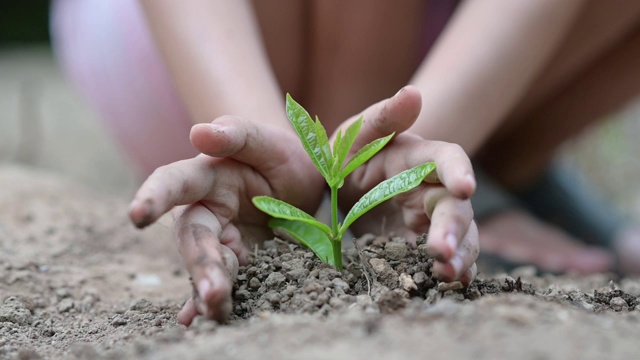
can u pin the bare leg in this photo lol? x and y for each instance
(360, 52)
(593, 74)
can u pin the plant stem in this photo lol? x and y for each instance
(336, 239)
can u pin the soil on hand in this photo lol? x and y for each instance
(77, 281)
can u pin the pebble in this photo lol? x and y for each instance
(65, 305)
(455, 285)
(340, 284)
(272, 297)
(618, 304)
(254, 283)
(14, 311)
(313, 287)
(242, 295)
(298, 274)
(423, 250)
(386, 275)
(406, 281)
(118, 321)
(420, 278)
(275, 280)
(396, 251)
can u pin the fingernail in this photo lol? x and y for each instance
(456, 263)
(203, 288)
(399, 91)
(452, 242)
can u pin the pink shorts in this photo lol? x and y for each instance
(107, 52)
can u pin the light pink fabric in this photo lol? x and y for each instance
(107, 52)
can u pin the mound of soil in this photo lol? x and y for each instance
(77, 281)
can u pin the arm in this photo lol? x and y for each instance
(215, 55)
(483, 64)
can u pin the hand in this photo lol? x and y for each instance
(211, 197)
(440, 206)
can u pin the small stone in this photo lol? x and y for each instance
(322, 299)
(254, 283)
(396, 251)
(242, 295)
(118, 321)
(618, 304)
(298, 274)
(272, 297)
(336, 303)
(313, 287)
(140, 305)
(392, 301)
(423, 250)
(431, 297)
(275, 280)
(386, 275)
(420, 278)
(65, 305)
(62, 293)
(339, 284)
(455, 285)
(406, 282)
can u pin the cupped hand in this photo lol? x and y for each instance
(440, 206)
(211, 200)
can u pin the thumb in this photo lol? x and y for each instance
(239, 139)
(395, 114)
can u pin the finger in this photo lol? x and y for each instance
(450, 219)
(187, 313)
(240, 139)
(469, 275)
(212, 266)
(453, 167)
(464, 257)
(395, 114)
(180, 183)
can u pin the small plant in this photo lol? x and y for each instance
(325, 241)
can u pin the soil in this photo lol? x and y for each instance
(78, 281)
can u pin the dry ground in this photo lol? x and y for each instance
(76, 280)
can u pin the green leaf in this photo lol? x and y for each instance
(282, 210)
(308, 134)
(336, 165)
(323, 141)
(347, 142)
(364, 154)
(387, 189)
(306, 235)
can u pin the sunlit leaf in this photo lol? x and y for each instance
(307, 131)
(282, 210)
(364, 154)
(387, 189)
(307, 235)
(347, 141)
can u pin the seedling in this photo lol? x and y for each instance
(325, 241)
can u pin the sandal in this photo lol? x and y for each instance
(560, 197)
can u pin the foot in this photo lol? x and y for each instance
(517, 236)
